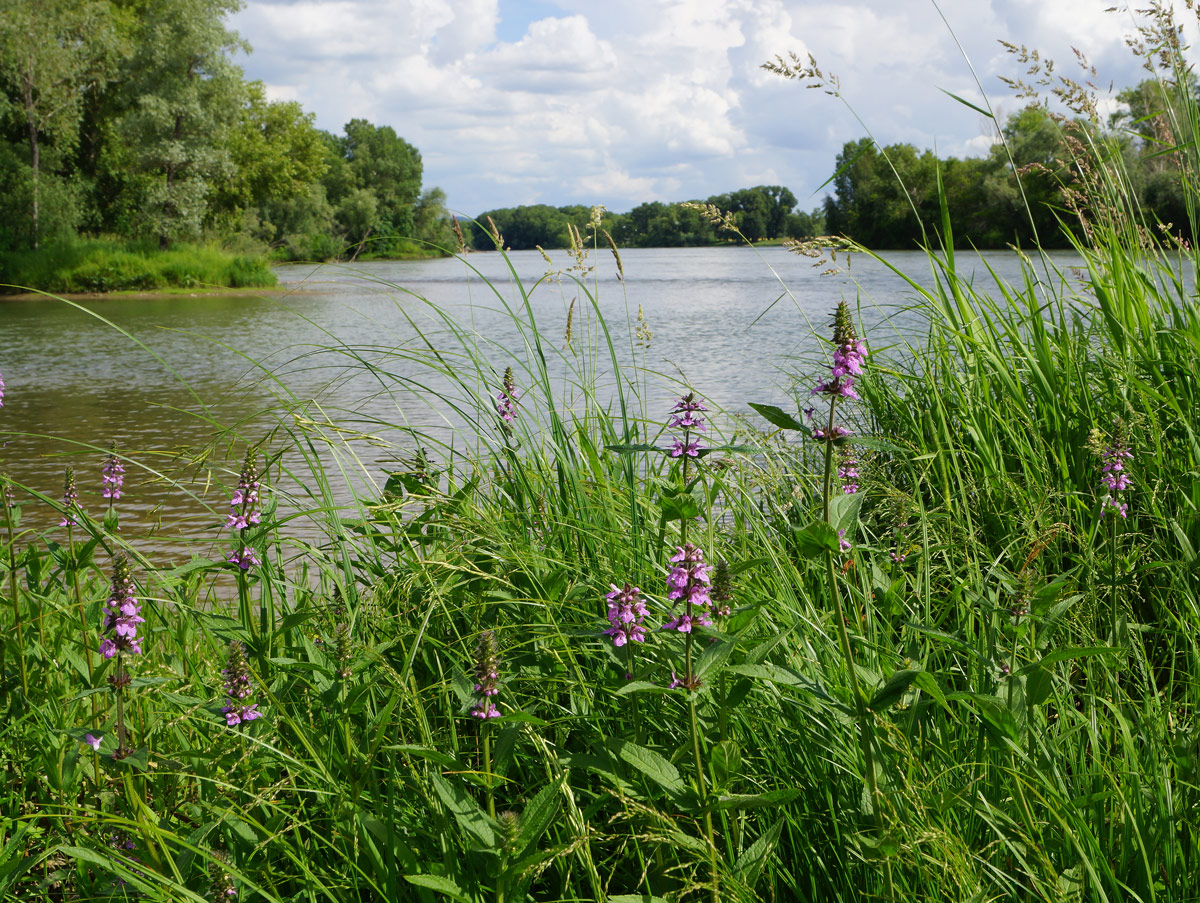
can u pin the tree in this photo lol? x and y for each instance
(52, 53)
(186, 97)
(276, 153)
(386, 165)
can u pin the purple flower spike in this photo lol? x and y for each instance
(70, 500)
(487, 676)
(1, 390)
(849, 357)
(691, 449)
(245, 558)
(688, 582)
(122, 614)
(243, 505)
(843, 542)
(237, 688)
(506, 401)
(626, 612)
(113, 477)
(1113, 477)
(848, 474)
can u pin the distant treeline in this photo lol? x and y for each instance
(890, 197)
(762, 212)
(129, 119)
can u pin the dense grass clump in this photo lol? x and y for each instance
(102, 265)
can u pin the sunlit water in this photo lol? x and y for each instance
(167, 378)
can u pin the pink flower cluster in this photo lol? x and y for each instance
(122, 615)
(1113, 477)
(688, 582)
(626, 612)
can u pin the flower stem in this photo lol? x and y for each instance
(87, 649)
(702, 791)
(12, 589)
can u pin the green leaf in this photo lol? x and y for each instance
(679, 507)
(777, 416)
(539, 814)
(843, 511)
(638, 686)
(1062, 655)
(519, 718)
(652, 765)
(755, 800)
(632, 449)
(636, 898)
(726, 759)
(1038, 685)
(713, 657)
(421, 752)
(750, 863)
(769, 672)
(465, 810)
(816, 539)
(892, 691)
(440, 884)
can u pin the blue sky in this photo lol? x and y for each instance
(622, 101)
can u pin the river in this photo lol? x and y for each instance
(181, 384)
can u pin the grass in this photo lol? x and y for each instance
(102, 265)
(1005, 709)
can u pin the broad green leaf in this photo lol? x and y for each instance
(652, 765)
(441, 758)
(632, 449)
(641, 686)
(815, 539)
(440, 884)
(465, 810)
(713, 657)
(892, 691)
(539, 814)
(777, 416)
(750, 863)
(755, 800)
(769, 672)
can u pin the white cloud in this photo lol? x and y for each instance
(631, 100)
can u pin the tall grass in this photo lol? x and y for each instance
(1020, 723)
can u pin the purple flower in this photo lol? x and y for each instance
(691, 449)
(245, 558)
(849, 356)
(626, 612)
(686, 413)
(122, 614)
(243, 505)
(113, 477)
(70, 500)
(1, 390)
(688, 581)
(93, 741)
(487, 676)
(1113, 476)
(843, 542)
(506, 401)
(834, 435)
(237, 687)
(7, 496)
(848, 474)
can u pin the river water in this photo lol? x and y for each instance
(182, 384)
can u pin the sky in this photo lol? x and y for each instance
(618, 102)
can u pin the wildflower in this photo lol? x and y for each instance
(689, 581)
(836, 434)
(237, 687)
(243, 505)
(487, 676)
(843, 542)
(686, 413)
(113, 476)
(848, 473)
(244, 558)
(122, 615)
(626, 611)
(506, 401)
(1113, 476)
(897, 557)
(93, 741)
(849, 356)
(1, 390)
(690, 449)
(7, 494)
(70, 500)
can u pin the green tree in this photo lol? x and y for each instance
(186, 97)
(381, 162)
(52, 54)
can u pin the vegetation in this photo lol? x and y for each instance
(950, 654)
(757, 214)
(128, 120)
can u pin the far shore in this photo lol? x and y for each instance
(164, 293)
